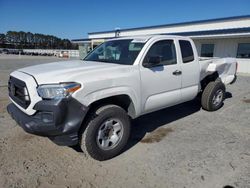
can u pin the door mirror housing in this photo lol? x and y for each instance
(152, 61)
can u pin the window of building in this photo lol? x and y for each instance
(164, 50)
(207, 50)
(186, 51)
(243, 50)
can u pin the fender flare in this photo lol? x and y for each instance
(134, 108)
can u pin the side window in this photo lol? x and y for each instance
(243, 50)
(163, 50)
(186, 51)
(207, 50)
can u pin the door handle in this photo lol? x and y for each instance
(177, 72)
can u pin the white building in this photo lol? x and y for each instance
(222, 37)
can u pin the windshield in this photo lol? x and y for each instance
(117, 51)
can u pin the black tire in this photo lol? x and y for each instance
(208, 98)
(89, 141)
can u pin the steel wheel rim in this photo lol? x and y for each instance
(109, 134)
(218, 97)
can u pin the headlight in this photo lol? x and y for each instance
(57, 91)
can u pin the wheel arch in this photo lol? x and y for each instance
(124, 97)
(209, 78)
(122, 100)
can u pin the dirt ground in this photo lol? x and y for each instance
(182, 146)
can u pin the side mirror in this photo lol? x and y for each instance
(152, 61)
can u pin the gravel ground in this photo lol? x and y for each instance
(182, 146)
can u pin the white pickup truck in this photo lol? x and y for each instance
(90, 102)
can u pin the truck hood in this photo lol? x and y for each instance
(64, 70)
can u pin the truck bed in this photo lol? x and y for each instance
(225, 67)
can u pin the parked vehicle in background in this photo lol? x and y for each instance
(42, 52)
(91, 102)
(5, 51)
(64, 54)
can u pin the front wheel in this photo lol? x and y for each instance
(213, 96)
(107, 132)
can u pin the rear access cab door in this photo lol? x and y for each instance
(190, 69)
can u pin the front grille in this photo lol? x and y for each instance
(19, 92)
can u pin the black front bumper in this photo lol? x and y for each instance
(59, 120)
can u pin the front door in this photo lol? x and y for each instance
(160, 83)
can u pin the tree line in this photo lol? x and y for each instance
(28, 40)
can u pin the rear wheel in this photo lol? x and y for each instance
(106, 132)
(213, 96)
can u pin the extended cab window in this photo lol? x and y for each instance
(164, 50)
(186, 51)
(122, 51)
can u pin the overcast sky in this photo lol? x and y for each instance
(74, 19)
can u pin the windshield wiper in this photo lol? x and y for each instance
(103, 61)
